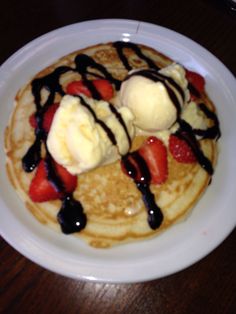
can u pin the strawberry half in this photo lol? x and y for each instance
(197, 81)
(42, 190)
(154, 153)
(47, 117)
(69, 180)
(78, 88)
(33, 121)
(103, 87)
(180, 150)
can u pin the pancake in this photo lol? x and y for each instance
(112, 203)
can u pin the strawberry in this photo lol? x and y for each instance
(154, 153)
(47, 117)
(69, 180)
(42, 190)
(103, 86)
(77, 88)
(180, 150)
(197, 81)
(32, 121)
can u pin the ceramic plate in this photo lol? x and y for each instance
(182, 245)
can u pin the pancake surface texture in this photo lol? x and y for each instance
(111, 201)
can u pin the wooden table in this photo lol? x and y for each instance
(206, 287)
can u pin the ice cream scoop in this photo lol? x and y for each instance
(155, 97)
(86, 133)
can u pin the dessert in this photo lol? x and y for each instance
(112, 143)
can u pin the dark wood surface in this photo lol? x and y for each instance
(206, 287)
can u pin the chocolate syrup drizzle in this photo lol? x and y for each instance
(185, 131)
(121, 45)
(71, 216)
(155, 216)
(83, 62)
(212, 132)
(120, 119)
(168, 82)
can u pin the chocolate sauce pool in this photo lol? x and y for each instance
(71, 216)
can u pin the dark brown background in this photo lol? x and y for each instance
(206, 287)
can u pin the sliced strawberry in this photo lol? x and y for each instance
(149, 160)
(103, 86)
(77, 88)
(180, 150)
(47, 118)
(42, 190)
(154, 153)
(197, 81)
(32, 121)
(69, 180)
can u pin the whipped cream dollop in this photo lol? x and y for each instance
(78, 139)
(151, 99)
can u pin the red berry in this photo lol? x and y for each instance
(103, 86)
(154, 153)
(42, 190)
(47, 118)
(180, 150)
(69, 180)
(77, 88)
(32, 121)
(197, 81)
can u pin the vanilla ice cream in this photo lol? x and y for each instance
(78, 142)
(194, 116)
(150, 100)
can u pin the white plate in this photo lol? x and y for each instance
(182, 245)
